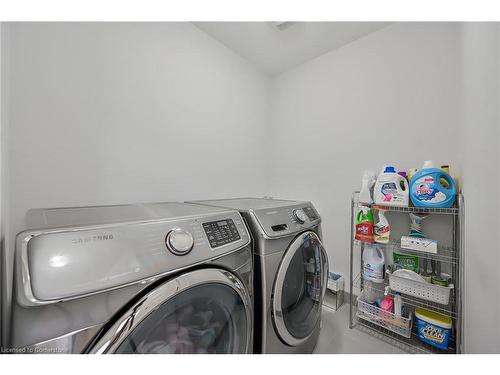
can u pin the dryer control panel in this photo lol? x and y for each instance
(221, 232)
(105, 256)
(280, 221)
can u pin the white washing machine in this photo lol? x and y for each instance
(150, 278)
(291, 271)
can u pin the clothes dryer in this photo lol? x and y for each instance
(291, 271)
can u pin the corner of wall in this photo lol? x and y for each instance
(4, 178)
(480, 138)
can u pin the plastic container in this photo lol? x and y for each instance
(382, 318)
(365, 194)
(424, 290)
(373, 264)
(411, 173)
(391, 189)
(398, 305)
(382, 230)
(433, 328)
(427, 190)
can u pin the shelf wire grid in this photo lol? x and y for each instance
(411, 345)
(448, 211)
(446, 254)
(447, 310)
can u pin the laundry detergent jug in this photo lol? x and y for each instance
(391, 189)
(432, 188)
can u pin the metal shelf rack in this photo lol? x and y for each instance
(451, 255)
(445, 254)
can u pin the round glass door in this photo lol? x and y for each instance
(299, 287)
(207, 317)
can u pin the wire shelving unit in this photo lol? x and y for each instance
(449, 255)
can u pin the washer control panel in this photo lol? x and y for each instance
(282, 221)
(221, 232)
(311, 213)
(299, 215)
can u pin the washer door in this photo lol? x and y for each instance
(299, 289)
(203, 311)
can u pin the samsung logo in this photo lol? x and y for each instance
(88, 239)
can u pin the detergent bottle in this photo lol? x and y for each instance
(427, 190)
(391, 189)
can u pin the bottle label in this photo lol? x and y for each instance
(382, 233)
(427, 192)
(433, 333)
(364, 232)
(374, 271)
(390, 192)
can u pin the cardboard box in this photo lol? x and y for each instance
(425, 245)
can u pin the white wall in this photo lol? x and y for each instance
(4, 198)
(388, 98)
(479, 109)
(117, 113)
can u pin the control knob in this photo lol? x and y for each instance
(299, 215)
(179, 241)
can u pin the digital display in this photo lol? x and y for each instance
(311, 214)
(221, 232)
(279, 228)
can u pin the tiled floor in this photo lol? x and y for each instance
(336, 337)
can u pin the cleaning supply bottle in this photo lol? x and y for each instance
(371, 295)
(411, 173)
(391, 189)
(427, 191)
(365, 195)
(382, 229)
(387, 302)
(416, 225)
(398, 305)
(373, 264)
(364, 224)
(445, 169)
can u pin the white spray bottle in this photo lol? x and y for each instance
(365, 195)
(382, 230)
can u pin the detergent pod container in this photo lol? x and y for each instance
(391, 189)
(432, 188)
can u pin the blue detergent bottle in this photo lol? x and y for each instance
(426, 189)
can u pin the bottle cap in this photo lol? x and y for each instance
(428, 164)
(389, 169)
